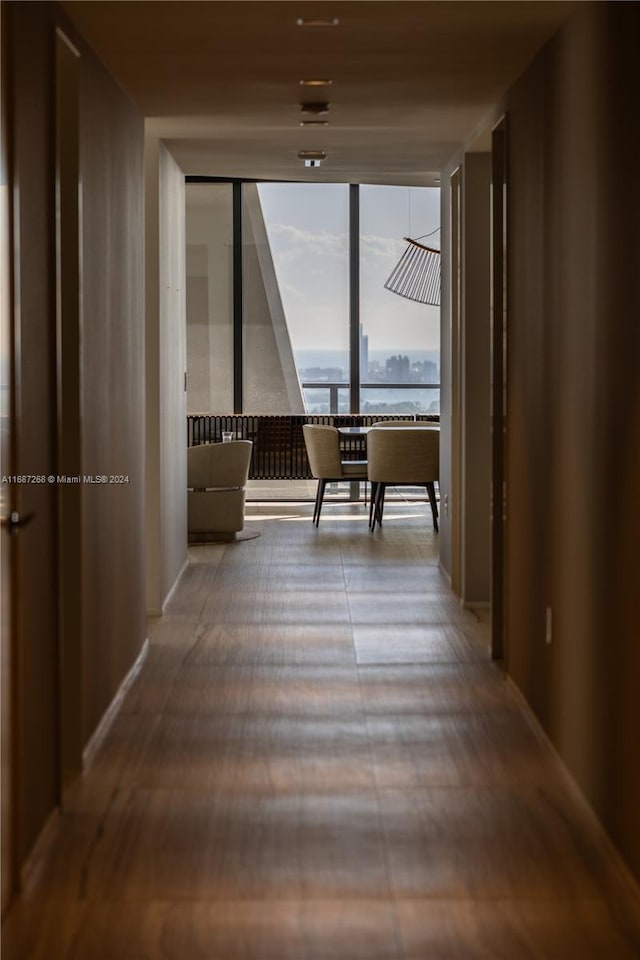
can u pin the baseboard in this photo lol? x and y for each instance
(159, 611)
(175, 585)
(38, 850)
(46, 834)
(622, 882)
(445, 573)
(477, 604)
(109, 715)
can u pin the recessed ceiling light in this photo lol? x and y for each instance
(317, 21)
(314, 123)
(314, 107)
(316, 83)
(312, 158)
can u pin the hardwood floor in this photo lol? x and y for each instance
(318, 760)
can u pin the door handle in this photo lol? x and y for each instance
(15, 522)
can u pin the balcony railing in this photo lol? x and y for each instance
(279, 452)
(335, 386)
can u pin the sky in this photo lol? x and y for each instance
(307, 225)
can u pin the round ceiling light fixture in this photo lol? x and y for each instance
(317, 21)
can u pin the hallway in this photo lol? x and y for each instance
(317, 759)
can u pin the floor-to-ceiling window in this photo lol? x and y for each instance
(210, 335)
(271, 293)
(296, 297)
(399, 337)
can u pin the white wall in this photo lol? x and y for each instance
(166, 463)
(475, 343)
(446, 479)
(465, 452)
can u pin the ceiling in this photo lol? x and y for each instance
(413, 82)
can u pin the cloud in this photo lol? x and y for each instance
(284, 237)
(312, 272)
(372, 245)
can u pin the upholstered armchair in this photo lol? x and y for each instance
(216, 479)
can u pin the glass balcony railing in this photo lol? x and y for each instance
(384, 398)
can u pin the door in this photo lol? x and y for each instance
(456, 373)
(67, 255)
(9, 519)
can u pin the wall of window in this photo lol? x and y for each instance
(307, 229)
(399, 338)
(286, 306)
(209, 235)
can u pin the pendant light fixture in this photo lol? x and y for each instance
(416, 276)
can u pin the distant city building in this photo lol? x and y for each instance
(430, 371)
(364, 355)
(376, 371)
(424, 371)
(397, 369)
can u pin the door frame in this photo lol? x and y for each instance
(455, 260)
(9, 500)
(499, 383)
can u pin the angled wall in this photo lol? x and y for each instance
(271, 377)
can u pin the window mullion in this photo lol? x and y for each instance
(354, 298)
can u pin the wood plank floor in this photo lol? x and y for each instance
(318, 760)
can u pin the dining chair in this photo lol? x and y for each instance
(323, 450)
(403, 457)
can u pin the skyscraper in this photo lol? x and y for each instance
(397, 369)
(364, 355)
